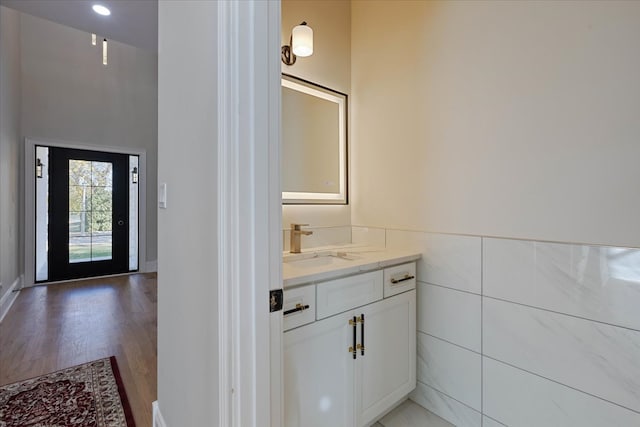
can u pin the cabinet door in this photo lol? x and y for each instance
(319, 374)
(387, 371)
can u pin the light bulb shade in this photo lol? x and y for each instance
(39, 167)
(302, 40)
(104, 52)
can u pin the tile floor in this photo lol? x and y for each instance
(410, 414)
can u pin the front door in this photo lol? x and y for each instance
(88, 213)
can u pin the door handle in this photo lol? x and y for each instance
(362, 333)
(354, 349)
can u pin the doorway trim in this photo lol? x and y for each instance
(249, 214)
(30, 199)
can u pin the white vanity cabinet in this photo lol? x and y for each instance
(318, 378)
(341, 371)
(387, 371)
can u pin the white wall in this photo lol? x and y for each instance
(519, 120)
(513, 119)
(68, 95)
(330, 66)
(187, 244)
(10, 158)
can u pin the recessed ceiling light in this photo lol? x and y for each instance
(101, 10)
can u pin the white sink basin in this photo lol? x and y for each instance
(318, 261)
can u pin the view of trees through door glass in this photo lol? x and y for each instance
(90, 210)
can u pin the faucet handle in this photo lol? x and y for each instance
(296, 227)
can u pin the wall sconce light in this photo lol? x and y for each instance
(134, 175)
(104, 52)
(93, 39)
(39, 167)
(300, 44)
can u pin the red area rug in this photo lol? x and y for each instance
(87, 395)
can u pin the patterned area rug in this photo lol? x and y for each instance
(87, 395)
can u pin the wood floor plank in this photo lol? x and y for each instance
(60, 325)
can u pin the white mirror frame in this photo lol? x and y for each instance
(340, 198)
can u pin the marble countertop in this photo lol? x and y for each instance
(298, 269)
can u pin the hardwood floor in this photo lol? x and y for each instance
(61, 325)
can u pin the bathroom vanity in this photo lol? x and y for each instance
(349, 340)
(350, 335)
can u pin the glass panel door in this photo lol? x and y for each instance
(89, 214)
(90, 211)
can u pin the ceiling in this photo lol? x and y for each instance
(134, 22)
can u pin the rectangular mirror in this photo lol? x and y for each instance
(314, 143)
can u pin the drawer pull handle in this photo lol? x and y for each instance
(299, 307)
(406, 277)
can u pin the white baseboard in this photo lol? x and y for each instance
(151, 266)
(9, 297)
(158, 421)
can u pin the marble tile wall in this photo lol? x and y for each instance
(450, 369)
(594, 282)
(526, 333)
(446, 407)
(451, 315)
(489, 422)
(449, 324)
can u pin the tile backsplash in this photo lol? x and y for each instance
(526, 333)
(337, 235)
(322, 236)
(369, 236)
(447, 260)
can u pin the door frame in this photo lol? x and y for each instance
(61, 266)
(250, 387)
(30, 199)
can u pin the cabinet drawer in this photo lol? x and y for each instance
(400, 278)
(299, 306)
(340, 295)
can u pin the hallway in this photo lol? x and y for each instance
(57, 326)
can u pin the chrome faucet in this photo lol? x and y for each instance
(296, 232)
